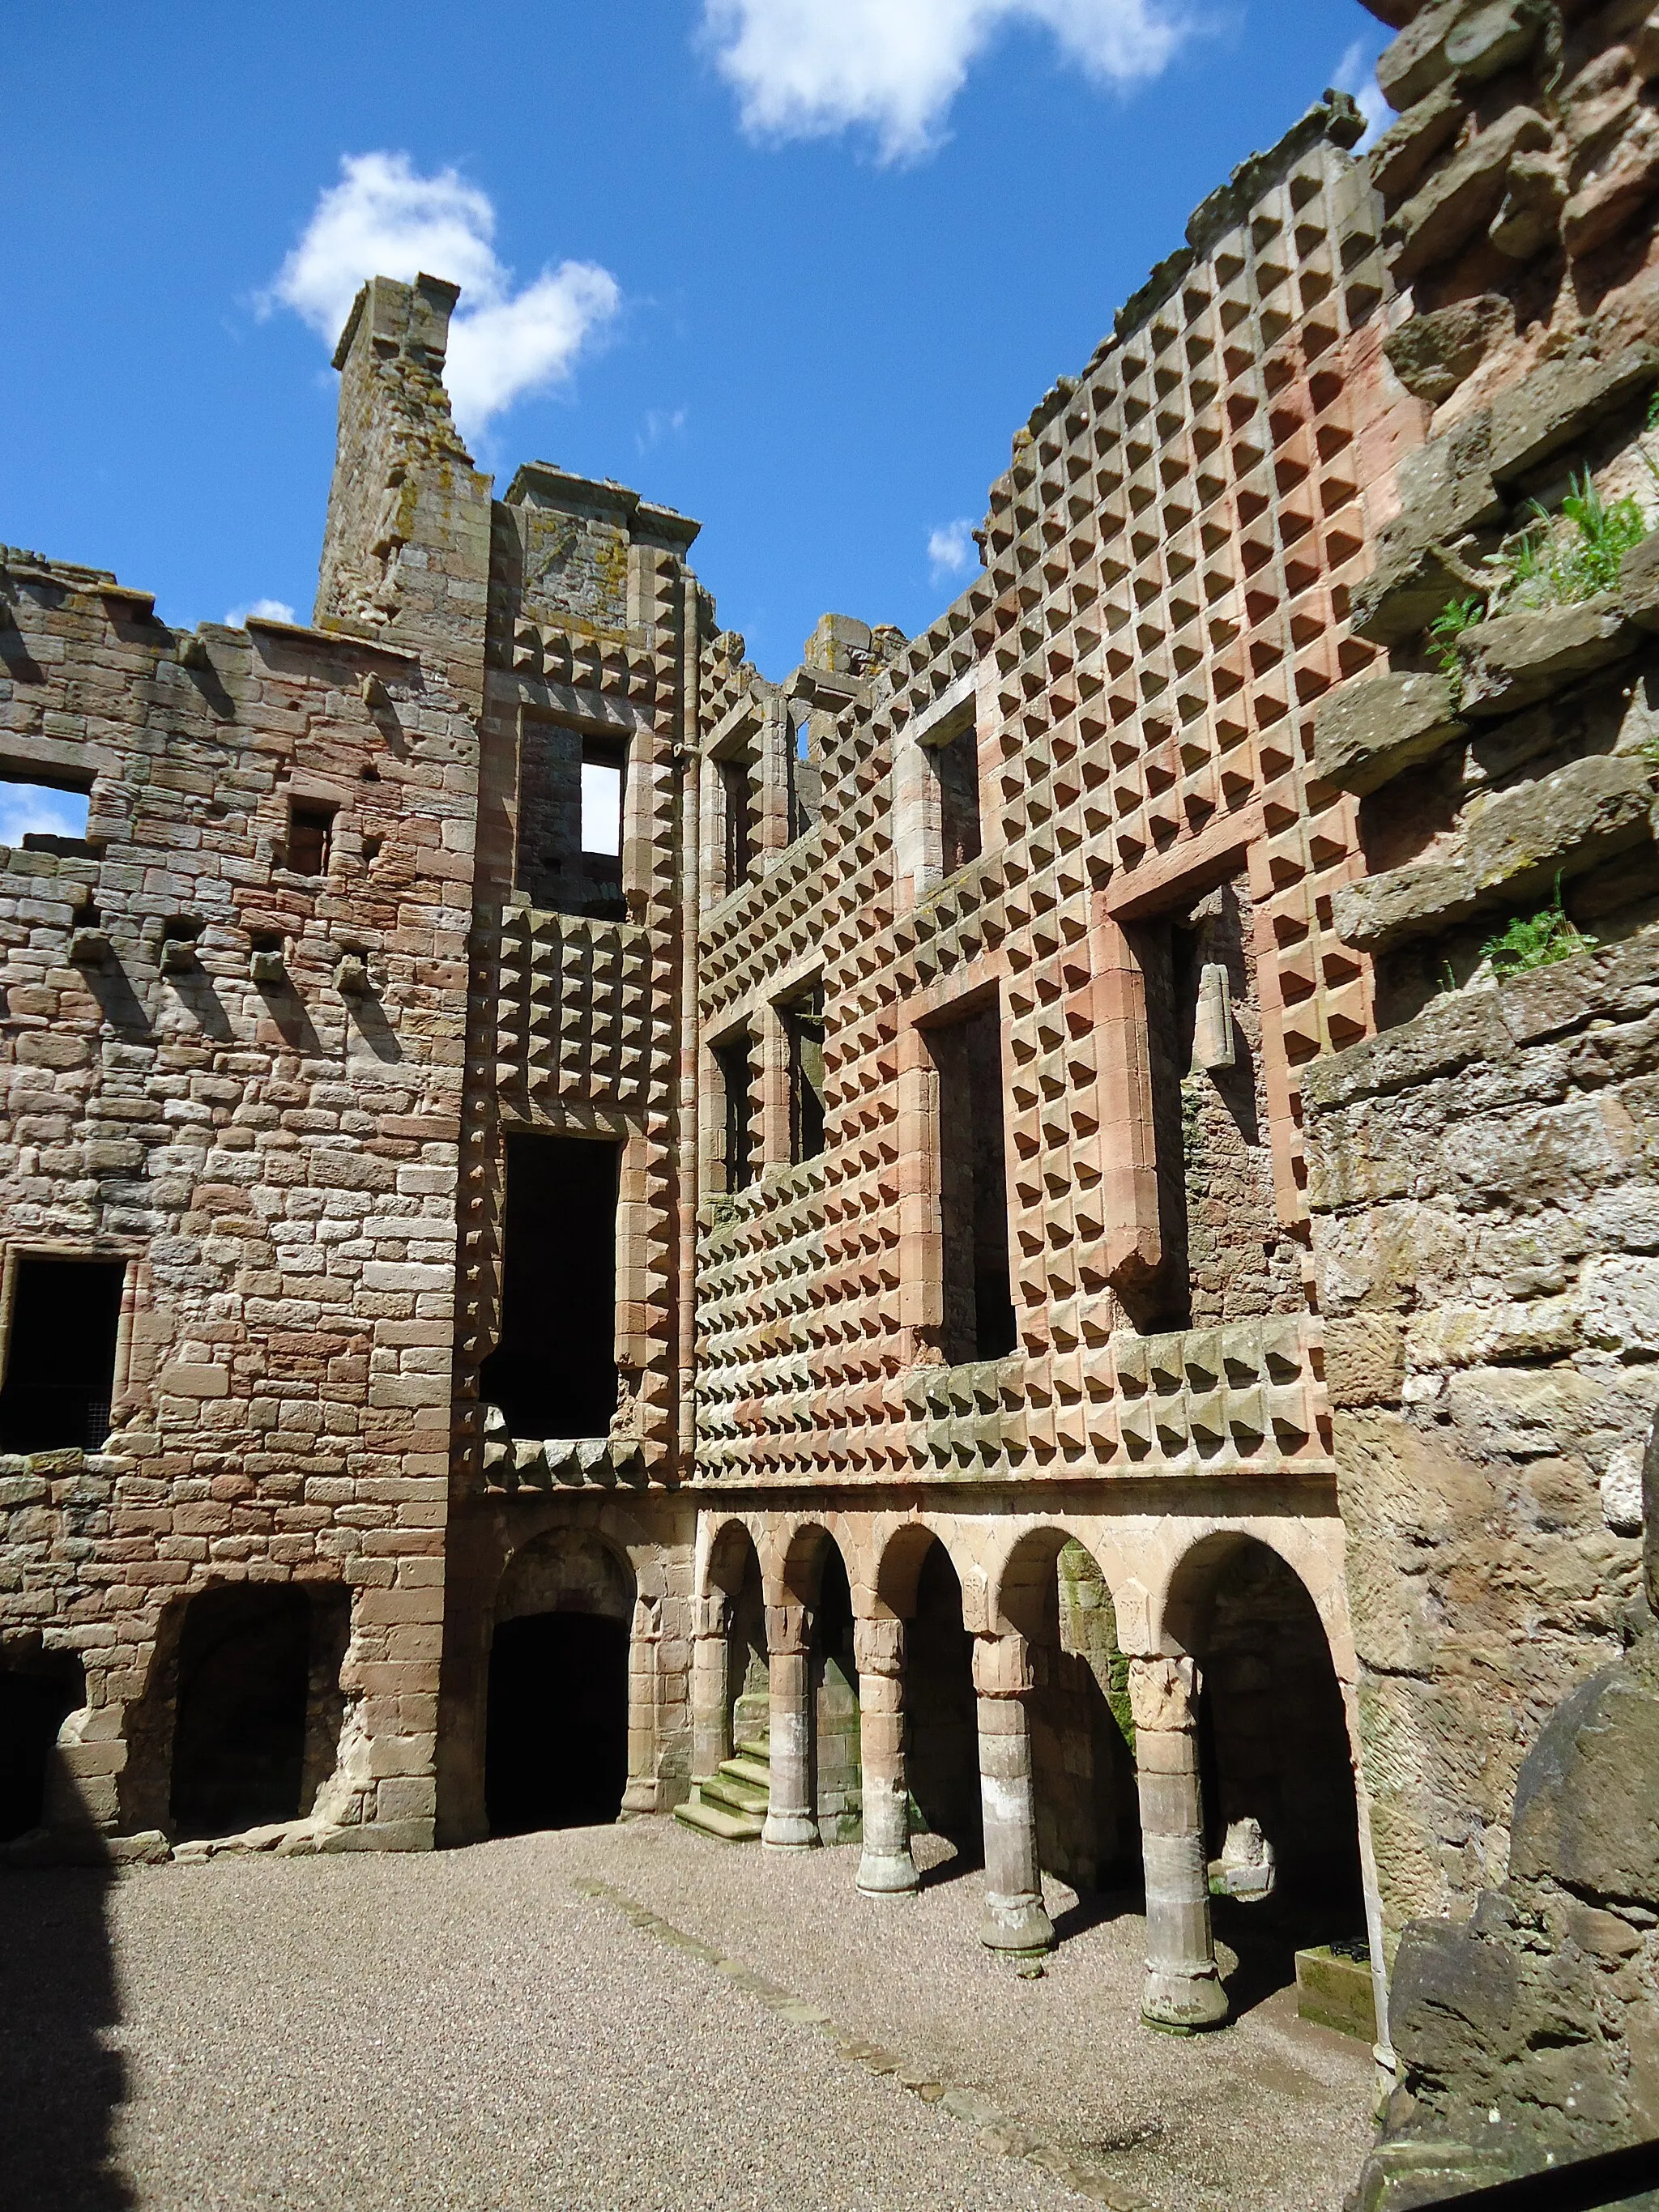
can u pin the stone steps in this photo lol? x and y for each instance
(730, 1805)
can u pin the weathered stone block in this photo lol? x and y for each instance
(1364, 1359)
(1406, 149)
(1517, 660)
(1433, 353)
(1461, 198)
(1368, 732)
(1515, 847)
(1560, 400)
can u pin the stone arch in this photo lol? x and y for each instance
(566, 1570)
(1053, 1590)
(1275, 1742)
(803, 1553)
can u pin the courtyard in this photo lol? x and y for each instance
(631, 2017)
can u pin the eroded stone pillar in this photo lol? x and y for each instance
(791, 1820)
(646, 1636)
(1183, 1991)
(1014, 1917)
(886, 1867)
(711, 1710)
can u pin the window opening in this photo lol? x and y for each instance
(803, 1026)
(805, 777)
(737, 800)
(736, 1079)
(955, 772)
(44, 818)
(979, 1319)
(60, 1357)
(553, 1372)
(310, 834)
(602, 799)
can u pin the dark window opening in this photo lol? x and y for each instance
(737, 811)
(555, 1743)
(36, 1694)
(258, 1704)
(553, 1372)
(955, 769)
(310, 834)
(736, 1080)
(803, 1027)
(979, 1311)
(60, 1355)
(1168, 955)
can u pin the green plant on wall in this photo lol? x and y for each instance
(1448, 626)
(1559, 559)
(1536, 940)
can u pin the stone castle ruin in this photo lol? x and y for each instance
(1045, 1231)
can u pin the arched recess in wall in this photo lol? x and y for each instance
(1274, 1754)
(734, 1571)
(916, 1579)
(254, 1676)
(1052, 1591)
(815, 1576)
(556, 1737)
(38, 1689)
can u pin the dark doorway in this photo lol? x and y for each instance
(60, 1356)
(239, 1737)
(554, 1372)
(942, 1711)
(979, 1309)
(35, 1695)
(555, 1751)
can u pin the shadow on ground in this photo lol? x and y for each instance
(59, 2082)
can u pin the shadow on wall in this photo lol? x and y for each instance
(59, 2085)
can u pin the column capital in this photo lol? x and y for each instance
(878, 1646)
(1163, 1694)
(711, 1616)
(1002, 1666)
(787, 1628)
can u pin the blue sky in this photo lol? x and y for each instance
(817, 339)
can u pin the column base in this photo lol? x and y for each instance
(790, 1832)
(1181, 2003)
(887, 1873)
(640, 1796)
(1016, 1923)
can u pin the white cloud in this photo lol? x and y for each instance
(383, 219)
(32, 809)
(660, 422)
(1356, 73)
(805, 69)
(953, 550)
(262, 610)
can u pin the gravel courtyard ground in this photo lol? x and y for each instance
(473, 2032)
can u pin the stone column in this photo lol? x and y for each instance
(1183, 1991)
(886, 1867)
(640, 1794)
(792, 1818)
(711, 1710)
(1014, 1918)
